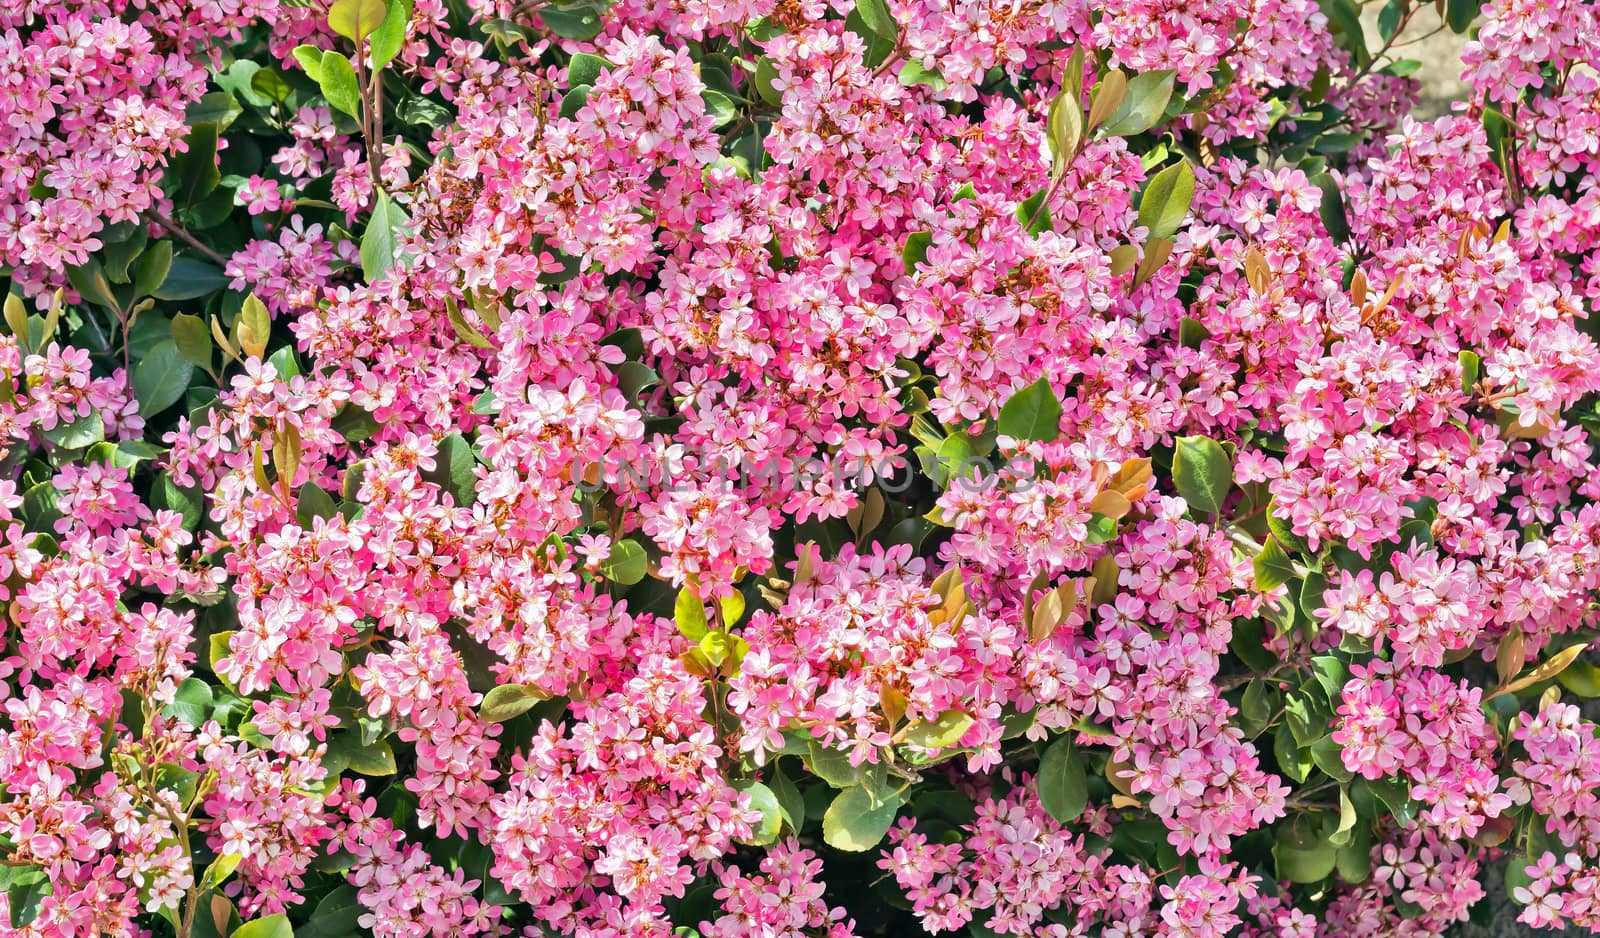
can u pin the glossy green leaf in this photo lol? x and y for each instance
(270, 926)
(1166, 199)
(380, 240)
(689, 611)
(585, 69)
(356, 19)
(1143, 105)
(856, 821)
(1033, 413)
(151, 269)
(875, 14)
(507, 701)
(1063, 786)
(947, 730)
(191, 702)
(188, 278)
(337, 915)
(916, 250)
(762, 799)
(372, 759)
(1273, 567)
(160, 378)
(337, 79)
(627, 563)
(1202, 473)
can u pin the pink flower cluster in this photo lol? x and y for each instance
(812, 397)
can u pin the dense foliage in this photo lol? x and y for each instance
(795, 468)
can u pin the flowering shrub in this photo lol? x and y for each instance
(795, 468)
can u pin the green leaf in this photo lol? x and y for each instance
(832, 766)
(314, 502)
(151, 269)
(690, 614)
(1582, 678)
(1471, 370)
(1166, 199)
(373, 759)
(1354, 862)
(191, 702)
(720, 107)
(1292, 761)
(1202, 473)
(1459, 14)
(1032, 214)
(1331, 209)
(1143, 105)
(1292, 542)
(1255, 709)
(1063, 786)
(90, 281)
(1517, 873)
(1273, 566)
(390, 36)
(1311, 592)
(1344, 21)
(947, 730)
(789, 798)
(571, 24)
(160, 378)
(24, 892)
(40, 510)
(1250, 647)
(574, 100)
(585, 69)
(419, 111)
(875, 14)
(310, 59)
(216, 107)
(269, 84)
(1389, 20)
(381, 239)
(1347, 820)
(336, 915)
(270, 926)
(356, 19)
(506, 701)
(85, 431)
(916, 249)
(914, 73)
(1325, 753)
(196, 168)
(285, 362)
(220, 869)
(1064, 124)
(338, 81)
(186, 501)
(453, 469)
(188, 278)
(1332, 674)
(764, 800)
(1033, 413)
(1101, 528)
(857, 822)
(765, 75)
(1307, 859)
(627, 564)
(218, 648)
(1394, 794)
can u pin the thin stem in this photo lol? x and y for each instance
(1365, 69)
(177, 231)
